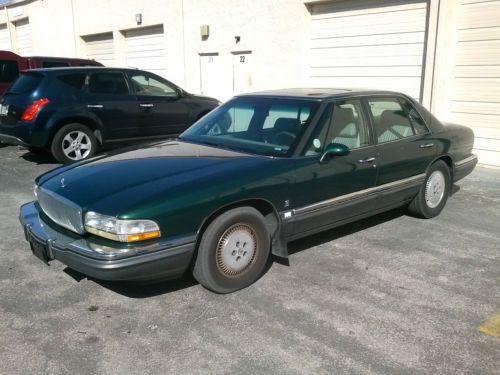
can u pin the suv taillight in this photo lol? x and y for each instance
(33, 109)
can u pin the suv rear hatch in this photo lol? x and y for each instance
(21, 95)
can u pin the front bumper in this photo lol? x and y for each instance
(160, 260)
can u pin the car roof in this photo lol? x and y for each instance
(68, 69)
(317, 93)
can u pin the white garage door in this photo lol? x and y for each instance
(4, 38)
(476, 93)
(23, 38)
(100, 47)
(145, 49)
(368, 44)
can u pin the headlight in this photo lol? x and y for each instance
(120, 230)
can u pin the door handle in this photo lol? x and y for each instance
(426, 145)
(95, 106)
(146, 105)
(367, 160)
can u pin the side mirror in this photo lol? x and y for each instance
(334, 149)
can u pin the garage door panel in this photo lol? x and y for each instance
(479, 34)
(488, 108)
(479, 53)
(4, 38)
(332, 60)
(475, 120)
(485, 133)
(403, 84)
(486, 144)
(477, 89)
(358, 26)
(474, 71)
(370, 44)
(483, 14)
(369, 40)
(100, 47)
(360, 71)
(349, 8)
(368, 51)
(145, 48)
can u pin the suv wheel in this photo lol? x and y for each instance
(73, 142)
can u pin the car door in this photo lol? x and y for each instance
(109, 99)
(405, 147)
(338, 188)
(162, 110)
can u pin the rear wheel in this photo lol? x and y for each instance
(434, 192)
(73, 142)
(233, 251)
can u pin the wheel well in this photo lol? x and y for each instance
(72, 120)
(264, 207)
(449, 162)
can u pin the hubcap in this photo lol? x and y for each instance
(76, 145)
(236, 249)
(434, 189)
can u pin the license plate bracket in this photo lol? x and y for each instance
(40, 251)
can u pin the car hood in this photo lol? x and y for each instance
(114, 183)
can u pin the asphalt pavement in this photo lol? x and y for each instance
(390, 294)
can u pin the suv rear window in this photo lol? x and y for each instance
(75, 80)
(8, 70)
(26, 83)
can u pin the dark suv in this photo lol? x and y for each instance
(73, 111)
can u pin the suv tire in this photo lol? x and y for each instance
(73, 142)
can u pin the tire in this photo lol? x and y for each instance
(233, 251)
(73, 142)
(433, 194)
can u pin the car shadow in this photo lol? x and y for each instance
(39, 157)
(344, 230)
(138, 290)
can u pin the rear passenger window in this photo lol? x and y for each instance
(415, 119)
(391, 121)
(54, 64)
(8, 70)
(108, 83)
(75, 80)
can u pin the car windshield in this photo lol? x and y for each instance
(257, 125)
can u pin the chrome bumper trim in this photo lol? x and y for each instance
(467, 160)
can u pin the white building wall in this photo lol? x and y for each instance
(276, 32)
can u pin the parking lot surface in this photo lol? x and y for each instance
(389, 294)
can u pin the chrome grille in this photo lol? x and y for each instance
(60, 210)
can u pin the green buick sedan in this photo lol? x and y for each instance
(255, 173)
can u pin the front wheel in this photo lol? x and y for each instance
(434, 192)
(233, 251)
(73, 142)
